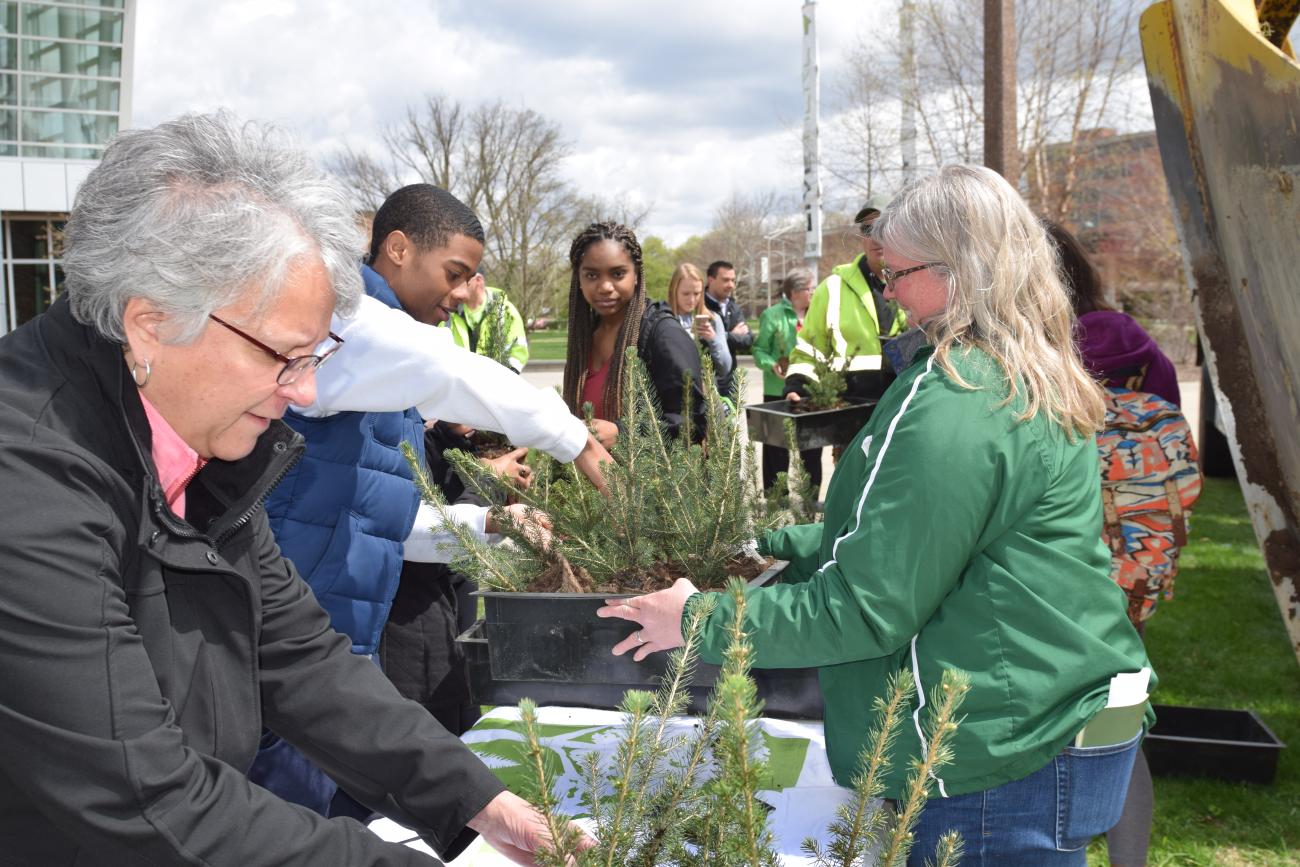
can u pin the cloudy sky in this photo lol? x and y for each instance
(675, 104)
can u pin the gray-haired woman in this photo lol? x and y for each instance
(148, 623)
(961, 532)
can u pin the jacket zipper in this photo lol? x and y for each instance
(257, 504)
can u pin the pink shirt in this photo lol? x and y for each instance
(177, 463)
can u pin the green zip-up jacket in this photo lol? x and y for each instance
(955, 537)
(842, 304)
(470, 331)
(777, 332)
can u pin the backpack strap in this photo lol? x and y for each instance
(1110, 521)
(1176, 512)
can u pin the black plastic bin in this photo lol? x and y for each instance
(812, 430)
(552, 648)
(1232, 745)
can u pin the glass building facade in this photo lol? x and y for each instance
(64, 92)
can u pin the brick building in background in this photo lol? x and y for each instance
(1110, 190)
(65, 90)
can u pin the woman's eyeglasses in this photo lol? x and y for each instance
(890, 275)
(293, 367)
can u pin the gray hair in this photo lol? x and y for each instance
(194, 213)
(1004, 290)
(796, 279)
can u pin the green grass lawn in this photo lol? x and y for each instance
(1220, 643)
(548, 344)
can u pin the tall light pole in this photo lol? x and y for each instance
(907, 71)
(812, 184)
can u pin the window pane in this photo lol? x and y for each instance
(33, 293)
(68, 128)
(83, 93)
(61, 152)
(8, 89)
(8, 53)
(8, 125)
(29, 239)
(8, 16)
(8, 149)
(71, 58)
(53, 22)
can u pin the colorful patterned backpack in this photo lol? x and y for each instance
(1150, 477)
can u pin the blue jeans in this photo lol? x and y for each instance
(1043, 820)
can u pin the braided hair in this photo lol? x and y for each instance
(583, 320)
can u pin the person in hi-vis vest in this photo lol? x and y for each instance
(847, 317)
(469, 324)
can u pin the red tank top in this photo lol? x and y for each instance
(593, 391)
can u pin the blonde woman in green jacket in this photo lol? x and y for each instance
(962, 531)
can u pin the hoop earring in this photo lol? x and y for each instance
(135, 376)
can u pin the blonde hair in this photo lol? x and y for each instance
(1005, 293)
(680, 273)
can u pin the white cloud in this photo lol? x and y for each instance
(680, 104)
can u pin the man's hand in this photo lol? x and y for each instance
(533, 523)
(793, 397)
(589, 460)
(742, 327)
(780, 366)
(512, 466)
(514, 828)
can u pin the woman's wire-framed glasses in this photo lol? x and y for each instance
(293, 367)
(890, 275)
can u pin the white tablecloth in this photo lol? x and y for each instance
(802, 793)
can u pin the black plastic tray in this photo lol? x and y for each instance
(812, 430)
(1232, 745)
(552, 647)
(786, 693)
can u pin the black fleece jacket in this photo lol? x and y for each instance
(143, 652)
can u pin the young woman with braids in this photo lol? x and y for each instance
(607, 314)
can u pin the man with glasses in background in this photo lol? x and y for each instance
(847, 318)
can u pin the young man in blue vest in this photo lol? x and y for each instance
(349, 511)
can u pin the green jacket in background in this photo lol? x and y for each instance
(470, 331)
(853, 320)
(777, 331)
(955, 537)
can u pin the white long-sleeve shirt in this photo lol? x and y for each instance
(390, 363)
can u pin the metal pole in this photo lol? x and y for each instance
(812, 185)
(907, 71)
(1000, 151)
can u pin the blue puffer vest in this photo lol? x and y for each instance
(342, 514)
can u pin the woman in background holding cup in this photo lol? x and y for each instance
(686, 301)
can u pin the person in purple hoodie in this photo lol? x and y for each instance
(1115, 348)
(1118, 352)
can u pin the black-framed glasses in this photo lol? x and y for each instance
(293, 367)
(890, 275)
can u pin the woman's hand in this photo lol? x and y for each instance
(660, 616)
(704, 330)
(533, 523)
(606, 432)
(780, 366)
(512, 466)
(793, 397)
(513, 827)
